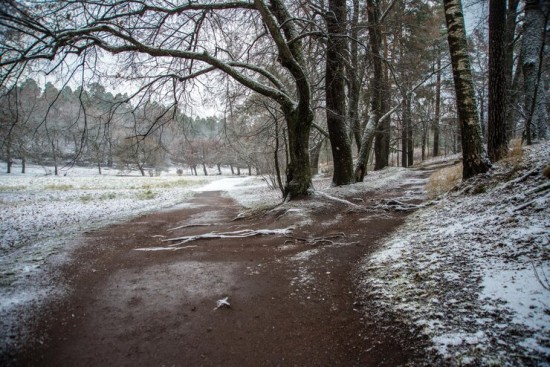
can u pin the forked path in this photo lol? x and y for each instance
(292, 297)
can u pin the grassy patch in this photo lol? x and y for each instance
(12, 188)
(444, 180)
(86, 198)
(146, 195)
(59, 187)
(108, 196)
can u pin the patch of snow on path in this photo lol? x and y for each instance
(471, 271)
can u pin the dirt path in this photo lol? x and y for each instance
(292, 303)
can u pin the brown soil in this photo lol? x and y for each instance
(292, 303)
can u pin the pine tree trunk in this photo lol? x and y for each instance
(473, 155)
(335, 90)
(497, 142)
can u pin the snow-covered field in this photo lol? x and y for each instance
(41, 214)
(473, 272)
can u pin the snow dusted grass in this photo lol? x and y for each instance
(41, 214)
(472, 272)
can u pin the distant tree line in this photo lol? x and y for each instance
(93, 127)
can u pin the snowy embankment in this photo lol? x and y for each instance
(473, 271)
(40, 215)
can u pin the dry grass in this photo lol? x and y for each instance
(515, 155)
(444, 180)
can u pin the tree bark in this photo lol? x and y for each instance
(497, 142)
(473, 155)
(364, 153)
(355, 77)
(408, 113)
(532, 51)
(511, 92)
(336, 93)
(315, 155)
(382, 137)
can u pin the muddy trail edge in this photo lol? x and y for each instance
(291, 291)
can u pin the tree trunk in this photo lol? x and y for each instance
(314, 157)
(473, 156)
(55, 165)
(276, 159)
(23, 165)
(335, 91)
(364, 152)
(497, 142)
(382, 137)
(299, 117)
(204, 170)
(408, 115)
(355, 76)
(532, 51)
(232, 170)
(219, 169)
(298, 175)
(8, 155)
(437, 117)
(511, 92)
(404, 139)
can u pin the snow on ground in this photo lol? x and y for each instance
(40, 214)
(473, 272)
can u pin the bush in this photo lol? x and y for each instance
(179, 172)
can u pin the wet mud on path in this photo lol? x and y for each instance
(293, 300)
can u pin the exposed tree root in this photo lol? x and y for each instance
(320, 240)
(338, 200)
(189, 226)
(234, 234)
